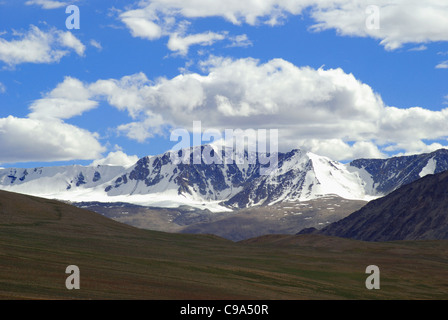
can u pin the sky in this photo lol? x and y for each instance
(107, 81)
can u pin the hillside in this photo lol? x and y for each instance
(39, 238)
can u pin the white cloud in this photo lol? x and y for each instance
(96, 44)
(156, 20)
(442, 65)
(419, 48)
(341, 150)
(116, 158)
(326, 111)
(47, 4)
(237, 12)
(67, 39)
(124, 94)
(141, 25)
(329, 108)
(24, 139)
(37, 46)
(400, 22)
(181, 44)
(70, 98)
(2, 88)
(240, 41)
(416, 147)
(406, 125)
(144, 129)
(44, 136)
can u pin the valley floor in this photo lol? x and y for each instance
(281, 218)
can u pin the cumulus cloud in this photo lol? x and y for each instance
(116, 158)
(399, 22)
(251, 12)
(25, 139)
(144, 129)
(155, 20)
(327, 111)
(414, 147)
(37, 46)
(341, 150)
(44, 136)
(140, 23)
(70, 98)
(124, 94)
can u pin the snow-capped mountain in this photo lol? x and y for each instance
(300, 176)
(382, 176)
(56, 180)
(160, 181)
(157, 174)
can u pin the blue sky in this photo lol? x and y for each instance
(113, 90)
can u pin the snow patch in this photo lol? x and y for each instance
(366, 178)
(430, 168)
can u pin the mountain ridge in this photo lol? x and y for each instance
(382, 177)
(158, 181)
(212, 185)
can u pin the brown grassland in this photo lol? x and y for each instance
(39, 238)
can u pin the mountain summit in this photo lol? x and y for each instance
(298, 176)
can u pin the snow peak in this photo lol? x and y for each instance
(191, 310)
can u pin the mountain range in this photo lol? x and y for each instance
(159, 181)
(40, 237)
